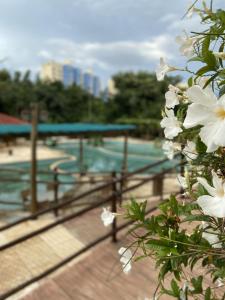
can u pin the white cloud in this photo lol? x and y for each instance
(45, 54)
(111, 55)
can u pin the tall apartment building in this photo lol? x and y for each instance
(88, 81)
(96, 86)
(78, 78)
(51, 71)
(71, 75)
(68, 75)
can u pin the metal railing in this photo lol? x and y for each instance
(118, 188)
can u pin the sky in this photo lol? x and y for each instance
(106, 36)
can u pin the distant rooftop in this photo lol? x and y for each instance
(67, 129)
(7, 119)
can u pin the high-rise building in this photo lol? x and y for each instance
(68, 75)
(51, 71)
(77, 76)
(112, 91)
(96, 86)
(88, 82)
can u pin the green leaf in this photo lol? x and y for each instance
(204, 70)
(205, 46)
(200, 146)
(196, 218)
(175, 288)
(174, 205)
(196, 58)
(210, 80)
(208, 294)
(210, 60)
(190, 81)
(197, 284)
(221, 48)
(158, 244)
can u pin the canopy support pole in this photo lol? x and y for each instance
(81, 158)
(34, 116)
(125, 153)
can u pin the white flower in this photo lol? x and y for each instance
(190, 150)
(162, 69)
(186, 44)
(206, 110)
(171, 125)
(219, 282)
(172, 97)
(169, 148)
(182, 181)
(211, 236)
(107, 216)
(214, 203)
(219, 55)
(126, 256)
(182, 295)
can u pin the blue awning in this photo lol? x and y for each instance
(66, 129)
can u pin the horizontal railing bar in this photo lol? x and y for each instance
(55, 206)
(74, 215)
(53, 224)
(67, 202)
(66, 260)
(166, 171)
(10, 202)
(50, 172)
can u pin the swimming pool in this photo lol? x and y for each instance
(107, 158)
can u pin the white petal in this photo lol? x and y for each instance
(212, 206)
(211, 190)
(182, 181)
(122, 250)
(190, 151)
(171, 99)
(172, 132)
(107, 217)
(126, 253)
(217, 182)
(201, 96)
(127, 268)
(219, 138)
(208, 134)
(197, 115)
(212, 238)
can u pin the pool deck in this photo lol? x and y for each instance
(22, 153)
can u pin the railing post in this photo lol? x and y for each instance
(158, 186)
(56, 189)
(114, 207)
(121, 185)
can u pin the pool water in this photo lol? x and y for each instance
(107, 158)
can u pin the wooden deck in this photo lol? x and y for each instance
(96, 275)
(99, 276)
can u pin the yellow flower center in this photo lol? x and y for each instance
(220, 113)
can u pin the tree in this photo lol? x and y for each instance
(139, 95)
